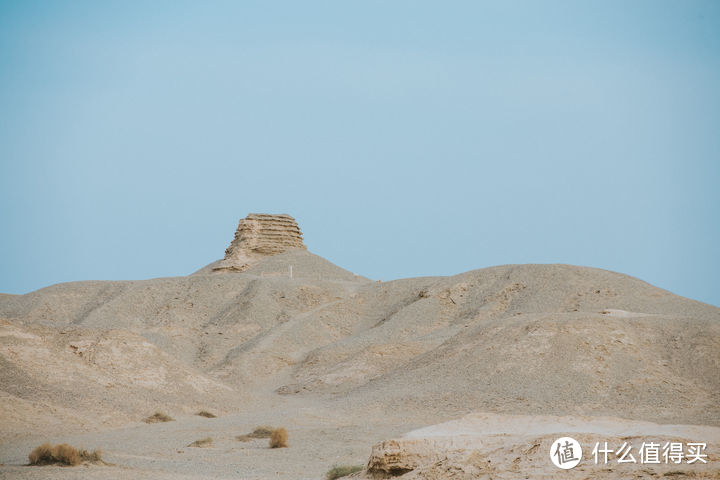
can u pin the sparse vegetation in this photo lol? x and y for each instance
(342, 471)
(259, 432)
(262, 432)
(62, 454)
(202, 443)
(93, 457)
(158, 417)
(279, 438)
(206, 414)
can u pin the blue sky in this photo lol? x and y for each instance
(408, 138)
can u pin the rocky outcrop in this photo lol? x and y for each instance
(519, 446)
(259, 235)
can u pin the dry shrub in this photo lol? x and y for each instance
(158, 417)
(42, 455)
(341, 471)
(202, 443)
(262, 432)
(63, 454)
(206, 414)
(92, 457)
(66, 454)
(279, 438)
(259, 432)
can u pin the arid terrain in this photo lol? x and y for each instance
(512, 356)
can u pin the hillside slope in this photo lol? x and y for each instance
(535, 338)
(327, 348)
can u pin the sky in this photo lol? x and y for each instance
(408, 138)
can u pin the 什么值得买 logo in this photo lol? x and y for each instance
(565, 453)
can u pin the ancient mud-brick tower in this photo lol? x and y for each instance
(258, 235)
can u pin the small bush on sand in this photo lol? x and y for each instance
(341, 471)
(278, 438)
(92, 457)
(62, 454)
(158, 417)
(42, 455)
(259, 432)
(206, 414)
(202, 443)
(262, 432)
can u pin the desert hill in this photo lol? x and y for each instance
(543, 338)
(327, 347)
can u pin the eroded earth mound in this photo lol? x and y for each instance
(321, 349)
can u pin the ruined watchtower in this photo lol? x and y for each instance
(259, 235)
